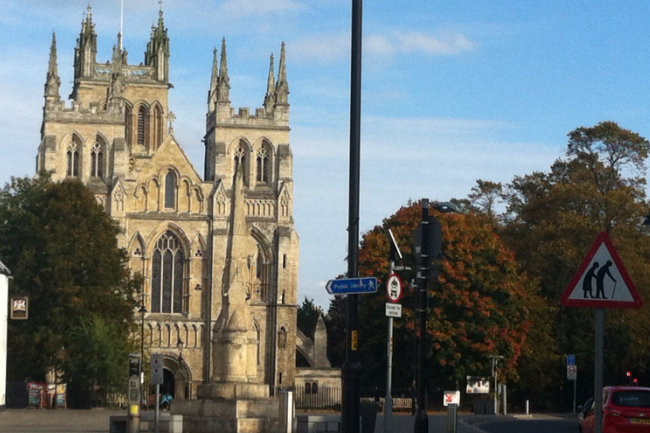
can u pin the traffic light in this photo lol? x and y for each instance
(628, 381)
(636, 381)
(135, 364)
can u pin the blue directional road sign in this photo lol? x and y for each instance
(352, 285)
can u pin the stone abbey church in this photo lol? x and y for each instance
(219, 252)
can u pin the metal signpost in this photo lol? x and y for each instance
(157, 378)
(621, 293)
(572, 374)
(394, 293)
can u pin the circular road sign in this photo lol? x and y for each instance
(394, 288)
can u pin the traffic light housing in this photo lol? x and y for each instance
(135, 365)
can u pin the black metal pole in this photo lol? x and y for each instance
(351, 371)
(421, 424)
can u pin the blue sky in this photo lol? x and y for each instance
(452, 91)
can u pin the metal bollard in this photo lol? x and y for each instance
(452, 417)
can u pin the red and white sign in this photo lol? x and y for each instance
(394, 288)
(601, 280)
(571, 372)
(451, 397)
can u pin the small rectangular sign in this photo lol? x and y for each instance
(451, 397)
(478, 385)
(352, 285)
(571, 372)
(570, 360)
(157, 377)
(393, 310)
(19, 307)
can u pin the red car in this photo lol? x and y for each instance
(626, 409)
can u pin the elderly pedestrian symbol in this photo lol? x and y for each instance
(601, 280)
(599, 276)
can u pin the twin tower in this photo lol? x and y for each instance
(219, 253)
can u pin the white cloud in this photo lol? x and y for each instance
(328, 47)
(444, 43)
(239, 8)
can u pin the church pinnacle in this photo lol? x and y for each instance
(53, 82)
(157, 54)
(223, 82)
(282, 86)
(86, 50)
(269, 99)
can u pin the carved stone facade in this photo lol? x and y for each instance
(116, 137)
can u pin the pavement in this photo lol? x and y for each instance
(97, 421)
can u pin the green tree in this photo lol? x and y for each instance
(552, 219)
(62, 249)
(308, 314)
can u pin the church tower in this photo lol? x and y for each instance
(177, 228)
(258, 143)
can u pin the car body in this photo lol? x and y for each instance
(584, 410)
(626, 409)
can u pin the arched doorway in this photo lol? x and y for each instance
(177, 378)
(169, 383)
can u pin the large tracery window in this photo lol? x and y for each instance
(72, 156)
(167, 275)
(263, 168)
(97, 161)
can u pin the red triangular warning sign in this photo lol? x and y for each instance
(601, 280)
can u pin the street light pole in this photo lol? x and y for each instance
(351, 371)
(421, 424)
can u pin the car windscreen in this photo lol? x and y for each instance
(631, 398)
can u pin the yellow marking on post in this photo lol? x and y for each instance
(355, 340)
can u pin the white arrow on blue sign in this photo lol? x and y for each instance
(352, 285)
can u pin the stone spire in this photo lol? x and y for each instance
(282, 86)
(53, 82)
(223, 82)
(157, 54)
(269, 99)
(212, 93)
(234, 350)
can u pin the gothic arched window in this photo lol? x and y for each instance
(72, 156)
(128, 123)
(170, 190)
(142, 116)
(263, 164)
(157, 129)
(167, 275)
(97, 161)
(241, 160)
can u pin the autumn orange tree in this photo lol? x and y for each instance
(481, 306)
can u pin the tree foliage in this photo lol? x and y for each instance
(550, 221)
(308, 314)
(62, 250)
